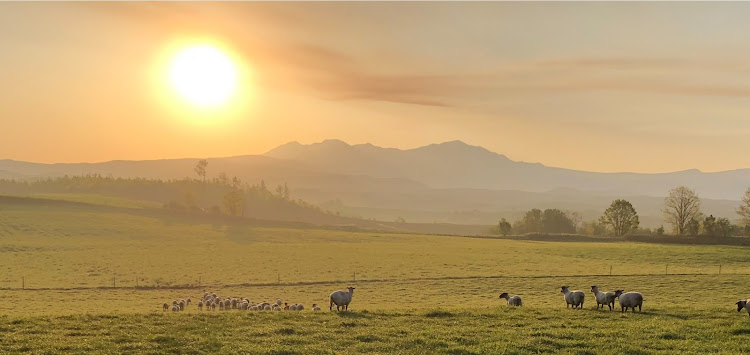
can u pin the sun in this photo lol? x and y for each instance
(203, 75)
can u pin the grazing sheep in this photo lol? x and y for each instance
(341, 299)
(629, 300)
(233, 302)
(188, 301)
(315, 307)
(512, 301)
(182, 305)
(200, 305)
(253, 308)
(267, 307)
(227, 304)
(743, 304)
(573, 298)
(213, 306)
(278, 301)
(286, 306)
(276, 307)
(175, 308)
(221, 305)
(174, 302)
(293, 307)
(300, 307)
(603, 298)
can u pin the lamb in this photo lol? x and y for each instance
(341, 299)
(573, 298)
(603, 298)
(512, 301)
(743, 304)
(629, 300)
(165, 307)
(315, 307)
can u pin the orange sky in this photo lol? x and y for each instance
(645, 87)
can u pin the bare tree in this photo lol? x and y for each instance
(621, 216)
(681, 206)
(744, 209)
(200, 168)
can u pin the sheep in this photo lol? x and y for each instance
(629, 300)
(267, 307)
(276, 307)
(512, 301)
(603, 298)
(228, 304)
(743, 304)
(253, 308)
(300, 307)
(188, 301)
(293, 307)
(200, 305)
(286, 306)
(573, 298)
(165, 307)
(278, 301)
(175, 308)
(221, 305)
(341, 299)
(234, 303)
(315, 307)
(213, 306)
(182, 305)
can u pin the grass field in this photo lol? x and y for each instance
(415, 293)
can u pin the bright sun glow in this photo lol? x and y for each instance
(203, 75)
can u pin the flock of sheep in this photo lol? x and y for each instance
(342, 299)
(575, 299)
(210, 301)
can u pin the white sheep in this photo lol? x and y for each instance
(629, 300)
(267, 307)
(315, 307)
(300, 307)
(278, 301)
(512, 301)
(341, 299)
(603, 298)
(743, 304)
(200, 305)
(276, 307)
(573, 298)
(293, 307)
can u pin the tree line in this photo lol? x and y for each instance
(682, 211)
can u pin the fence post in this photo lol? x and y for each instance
(278, 277)
(719, 269)
(23, 282)
(136, 282)
(610, 270)
(114, 284)
(355, 276)
(666, 269)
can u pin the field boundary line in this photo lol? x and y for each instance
(331, 282)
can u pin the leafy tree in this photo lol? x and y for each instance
(709, 225)
(594, 227)
(556, 221)
(621, 216)
(693, 227)
(744, 210)
(682, 207)
(724, 228)
(200, 168)
(504, 227)
(530, 223)
(234, 202)
(660, 231)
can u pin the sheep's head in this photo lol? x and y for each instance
(564, 289)
(504, 295)
(618, 293)
(351, 289)
(740, 305)
(594, 288)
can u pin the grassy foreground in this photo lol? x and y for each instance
(498, 331)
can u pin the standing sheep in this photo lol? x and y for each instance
(603, 298)
(165, 307)
(573, 298)
(512, 301)
(341, 299)
(278, 301)
(315, 307)
(200, 305)
(300, 307)
(629, 300)
(743, 304)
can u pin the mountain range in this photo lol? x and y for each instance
(448, 182)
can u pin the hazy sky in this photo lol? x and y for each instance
(644, 87)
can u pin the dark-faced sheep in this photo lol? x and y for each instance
(743, 304)
(165, 307)
(629, 300)
(341, 299)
